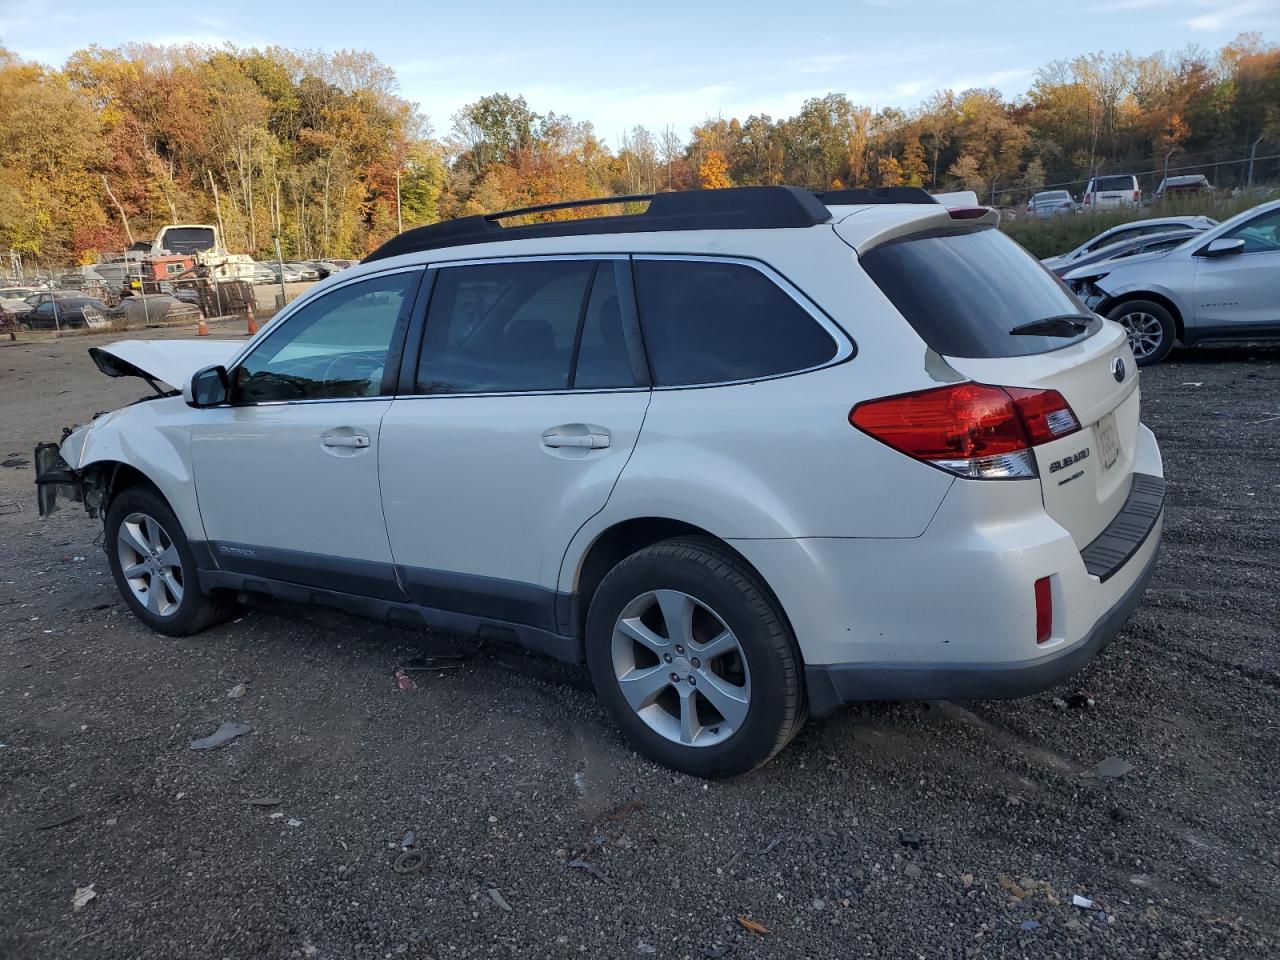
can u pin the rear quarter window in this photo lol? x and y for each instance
(964, 290)
(709, 321)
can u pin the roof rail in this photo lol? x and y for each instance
(875, 195)
(733, 208)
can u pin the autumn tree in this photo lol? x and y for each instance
(713, 172)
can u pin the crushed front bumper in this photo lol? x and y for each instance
(55, 477)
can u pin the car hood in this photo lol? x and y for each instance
(1105, 266)
(170, 361)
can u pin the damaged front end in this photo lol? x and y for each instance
(56, 478)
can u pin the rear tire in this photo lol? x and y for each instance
(715, 695)
(154, 568)
(1150, 327)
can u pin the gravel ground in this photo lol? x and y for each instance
(545, 836)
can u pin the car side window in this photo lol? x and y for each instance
(708, 321)
(1261, 234)
(333, 348)
(520, 326)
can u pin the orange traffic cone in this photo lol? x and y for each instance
(203, 329)
(253, 321)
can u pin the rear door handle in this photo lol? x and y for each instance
(590, 441)
(359, 440)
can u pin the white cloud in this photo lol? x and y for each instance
(1224, 16)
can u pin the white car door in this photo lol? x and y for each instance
(526, 401)
(1239, 293)
(287, 473)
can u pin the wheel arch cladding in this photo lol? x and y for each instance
(627, 537)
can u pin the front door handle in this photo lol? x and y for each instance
(588, 440)
(359, 440)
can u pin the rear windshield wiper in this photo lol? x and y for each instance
(1066, 325)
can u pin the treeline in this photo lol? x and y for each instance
(319, 150)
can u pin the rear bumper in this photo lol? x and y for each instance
(831, 685)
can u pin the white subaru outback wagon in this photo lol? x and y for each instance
(751, 454)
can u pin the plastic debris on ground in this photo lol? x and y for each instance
(497, 898)
(749, 924)
(1108, 769)
(1080, 700)
(577, 863)
(404, 681)
(1084, 903)
(82, 896)
(410, 861)
(1029, 925)
(225, 733)
(910, 838)
(238, 691)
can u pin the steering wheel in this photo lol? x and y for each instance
(376, 367)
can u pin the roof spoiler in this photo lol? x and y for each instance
(876, 195)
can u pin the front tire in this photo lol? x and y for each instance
(691, 656)
(1150, 328)
(153, 566)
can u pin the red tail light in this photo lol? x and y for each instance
(1045, 413)
(1137, 195)
(969, 429)
(1044, 610)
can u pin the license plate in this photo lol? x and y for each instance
(1108, 440)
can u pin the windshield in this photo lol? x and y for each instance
(964, 290)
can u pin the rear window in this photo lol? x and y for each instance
(706, 321)
(963, 291)
(1113, 183)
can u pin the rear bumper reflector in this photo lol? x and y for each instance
(1044, 609)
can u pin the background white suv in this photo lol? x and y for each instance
(1221, 285)
(1112, 192)
(750, 453)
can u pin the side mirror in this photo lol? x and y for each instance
(1222, 247)
(209, 387)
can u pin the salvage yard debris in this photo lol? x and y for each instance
(1108, 769)
(225, 733)
(82, 896)
(410, 861)
(578, 863)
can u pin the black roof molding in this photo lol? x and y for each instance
(876, 195)
(733, 208)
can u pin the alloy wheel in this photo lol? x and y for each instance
(680, 668)
(151, 564)
(1145, 333)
